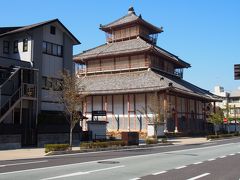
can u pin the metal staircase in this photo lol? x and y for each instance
(16, 87)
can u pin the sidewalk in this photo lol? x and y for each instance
(39, 152)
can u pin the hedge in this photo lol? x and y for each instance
(151, 141)
(94, 145)
(56, 147)
(222, 136)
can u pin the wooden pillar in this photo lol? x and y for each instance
(145, 100)
(146, 60)
(128, 104)
(195, 115)
(134, 108)
(113, 115)
(124, 124)
(105, 107)
(186, 114)
(175, 116)
(165, 111)
(114, 63)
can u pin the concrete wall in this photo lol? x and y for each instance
(57, 138)
(10, 141)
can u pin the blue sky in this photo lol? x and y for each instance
(205, 33)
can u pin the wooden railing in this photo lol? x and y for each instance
(108, 68)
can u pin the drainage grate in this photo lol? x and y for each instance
(108, 162)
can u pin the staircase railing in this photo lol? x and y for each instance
(9, 87)
(12, 100)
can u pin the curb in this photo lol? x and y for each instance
(52, 153)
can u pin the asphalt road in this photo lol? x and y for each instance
(214, 160)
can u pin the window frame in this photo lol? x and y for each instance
(52, 30)
(25, 44)
(50, 48)
(15, 46)
(6, 45)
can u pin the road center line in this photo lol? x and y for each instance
(200, 176)
(211, 159)
(181, 167)
(15, 164)
(222, 157)
(198, 163)
(81, 173)
(157, 173)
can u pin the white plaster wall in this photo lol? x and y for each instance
(97, 103)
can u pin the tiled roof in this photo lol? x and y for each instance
(142, 81)
(130, 18)
(122, 47)
(115, 48)
(12, 30)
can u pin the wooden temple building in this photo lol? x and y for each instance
(122, 74)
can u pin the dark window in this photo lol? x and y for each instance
(53, 30)
(52, 49)
(44, 47)
(6, 47)
(25, 45)
(60, 53)
(49, 48)
(15, 46)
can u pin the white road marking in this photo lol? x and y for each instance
(231, 154)
(121, 158)
(32, 162)
(135, 179)
(200, 176)
(81, 173)
(180, 167)
(222, 156)
(211, 159)
(198, 163)
(157, 173)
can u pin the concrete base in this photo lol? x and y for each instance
(11, 141)
(58, 138)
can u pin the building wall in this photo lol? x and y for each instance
(20, 55)
(127, 111)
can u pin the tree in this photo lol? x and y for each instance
(216, 118)
(157, 116)
(72, 97)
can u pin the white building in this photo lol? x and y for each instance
(31, 60)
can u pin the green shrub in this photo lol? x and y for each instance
(222, 136)
(56, 147)
(164, 140)
(151, 141)
(94, 145)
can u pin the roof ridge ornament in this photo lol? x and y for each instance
(131, 10)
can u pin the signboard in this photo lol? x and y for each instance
(99, 113)
(236, 71)
(225, 120)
